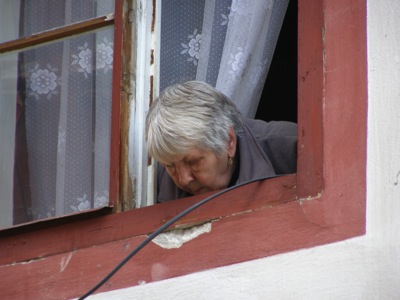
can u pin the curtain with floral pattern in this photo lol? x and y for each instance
(226, 43)
(65, 91)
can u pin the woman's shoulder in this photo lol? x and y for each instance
(278, 139)
(264, 129)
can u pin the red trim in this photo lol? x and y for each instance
(326, 199)
(310, 97)
(344, 113)
(116, 107)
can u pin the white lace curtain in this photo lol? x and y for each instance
(65, 90)
(227, 43)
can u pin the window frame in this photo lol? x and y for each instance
(324, 202)
(55, 35)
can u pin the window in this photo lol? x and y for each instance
(56, 80)
(324, 202)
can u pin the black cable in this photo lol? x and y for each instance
(162, 228)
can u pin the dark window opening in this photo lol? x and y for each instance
(279, 97)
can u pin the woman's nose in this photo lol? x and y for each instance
(184, 175)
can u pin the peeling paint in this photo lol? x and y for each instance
(26, 262)
(319, 195)
(64, 262)
(159, 271)
(242, 212)
(109, 17)
(176, 238)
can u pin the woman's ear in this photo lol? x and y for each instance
(232, 142)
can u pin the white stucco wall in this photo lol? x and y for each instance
(367, 267)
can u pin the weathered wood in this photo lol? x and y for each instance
(120, 185)
(57, 33)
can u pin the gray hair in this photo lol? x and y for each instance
(188, 115)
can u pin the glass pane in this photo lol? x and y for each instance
(21, 18)
(8, 92)
(61, 96)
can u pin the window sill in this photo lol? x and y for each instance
(54, 236)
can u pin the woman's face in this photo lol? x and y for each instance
(201, 170)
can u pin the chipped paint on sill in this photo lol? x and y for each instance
(318, 196)
(176, 238)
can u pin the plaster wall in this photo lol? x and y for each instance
(366, 267)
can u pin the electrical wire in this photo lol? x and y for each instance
(162, 228)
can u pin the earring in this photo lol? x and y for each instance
(230, 160)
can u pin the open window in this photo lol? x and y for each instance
(70, 105)
(324, 202)
(56, 96)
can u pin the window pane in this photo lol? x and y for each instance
(62, 125)
(21, 18)
(8, 73)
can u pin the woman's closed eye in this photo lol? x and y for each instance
(194, 164)
(171, 168)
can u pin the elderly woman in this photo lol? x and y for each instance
(203, 144)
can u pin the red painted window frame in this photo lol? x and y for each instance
(324, 202)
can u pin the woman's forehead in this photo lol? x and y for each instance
(190, 155)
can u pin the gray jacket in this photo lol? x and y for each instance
(265, 149)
